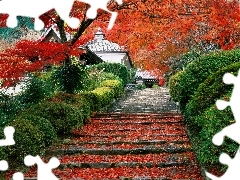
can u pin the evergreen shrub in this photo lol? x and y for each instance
(64, 117)
(209, 91)
(211, 122)
(76, 100)
(117, 69)
(115, 85)
(28, 140)
(105, 96)
(199, 69)
(44, 125)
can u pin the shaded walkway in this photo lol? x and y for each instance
(148, 100)
(142, 137)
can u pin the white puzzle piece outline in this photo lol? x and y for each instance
(8, 141)
(44, 170)
(232, 172)
(8, 133)
(35, 8)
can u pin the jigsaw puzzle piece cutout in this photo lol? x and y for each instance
(229, 131)
(36, 8)
(44, 169)
(229, 78)
(101, 4)
(3, 165)
(232, 172)
(8, 133)
(18, 176)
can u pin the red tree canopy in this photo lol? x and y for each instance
(151, 30)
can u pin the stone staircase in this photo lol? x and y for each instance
(141, 138)
(128, 146)
(146, 101)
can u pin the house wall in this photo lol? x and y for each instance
(114, 57)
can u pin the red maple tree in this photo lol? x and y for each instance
(151, 30)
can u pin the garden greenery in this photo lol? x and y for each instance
(197, 88)
(48, 108)
(198, 70)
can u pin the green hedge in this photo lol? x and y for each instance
(28, 140)
(173, 82)
(105, 96)
(117, 69)
(115, 85)
(37, 89)
(198, 70)
(44, 125)
(76, 100)
(63, 117)
(212, 121)
(92, 100)
(209, 91)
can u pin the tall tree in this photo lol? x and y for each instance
(152, 30)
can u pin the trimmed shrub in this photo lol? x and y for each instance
(3, 155)
(198, 70)
(91, 99)
(76, 100)
(49, 133)
(70, 78)
(115, 85)
(63, 117)
(117, 69)
(105, 96)
(96, 77)
(28, 140)
(209, 91)
(212, 121)
(174, 86)
(37, 89)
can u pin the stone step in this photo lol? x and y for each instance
(146, 118)
(141, 115)
(118, 151)
(124, 134)
(153, 159)
(107, 139)
(125, 164)
(134, 114)
(154, 142)
(121, 146)
(187, 172)
(118, 127)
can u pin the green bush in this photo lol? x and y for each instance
(173, 86)
(37, 89)
(44, 125)
(140, 86)
(63, 117)
(212, 121)
(9, 107)
(105, 96)
(70, 78)
(115, 85)
(209, 91)
(198, 70)
(96, 77)
(3, 155)
(117, 69)
(28, 140)
(76, 100)
(91, 99)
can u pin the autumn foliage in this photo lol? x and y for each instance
(152, 31)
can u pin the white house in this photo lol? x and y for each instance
(108, 51)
